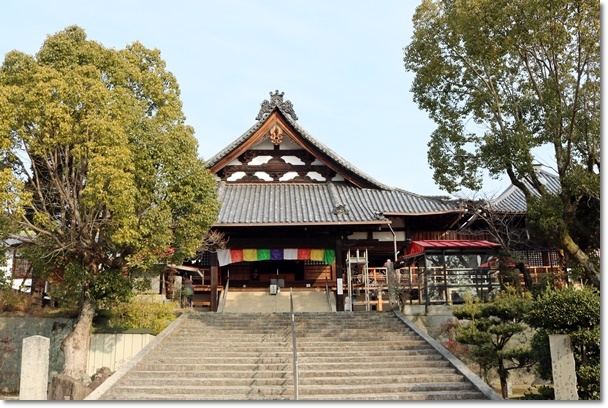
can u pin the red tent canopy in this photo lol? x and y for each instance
(419, 247)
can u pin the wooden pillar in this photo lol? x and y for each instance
(214, 279)
(339, 277)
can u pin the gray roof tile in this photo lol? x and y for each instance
(275, 203)
(512, 200)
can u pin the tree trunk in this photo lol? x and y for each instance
(591, 270)
(503, 374)
(504, 388)
(76, 345)
(525, 271)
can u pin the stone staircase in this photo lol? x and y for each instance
(372, 356)
(249, 356)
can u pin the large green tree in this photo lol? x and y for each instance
(502, 78)
(98, 168)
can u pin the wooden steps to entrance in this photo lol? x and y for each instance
(249, 356)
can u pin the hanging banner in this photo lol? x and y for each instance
(228, 256)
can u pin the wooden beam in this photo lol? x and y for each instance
(214, 274)
(339, 277)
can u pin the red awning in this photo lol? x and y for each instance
(419, 247)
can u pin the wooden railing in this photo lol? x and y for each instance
(442, 285)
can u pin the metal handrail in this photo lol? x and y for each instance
(222, 304)
(295, 349)
(327, 292)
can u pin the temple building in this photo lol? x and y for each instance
(293, 210)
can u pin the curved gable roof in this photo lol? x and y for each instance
(359, 199)
(323, 153)
(513, 200)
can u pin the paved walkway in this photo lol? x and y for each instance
(263, 302)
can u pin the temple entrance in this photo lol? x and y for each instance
(292, 273)
(288, 270)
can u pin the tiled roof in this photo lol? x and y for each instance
(306, 136)
(512, 200)
(236, 143)
(314, 203)
(322, 203)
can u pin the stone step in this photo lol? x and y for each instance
(287, 358)
(227, 360)
(251, 338)
(146, 366)
(342, 356)
(370, 359)
(235, 330)
(340, 371)
(287, 379)
(246, 333)
(349, 388)
(452, 391)
(196, 349)
(235, 353)
(228, 380)
(366, 348)
(355, 342)
(162, 395)
(174, 395)
(287, 351)
(288, 366)
(207, 391)
(439, 395)
(386, 365)
(354, 337)
(379, 378)
(354, 374)
(208, 374)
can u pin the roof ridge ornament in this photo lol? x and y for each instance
(276, 100)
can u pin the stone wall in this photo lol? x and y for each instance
(12, 332)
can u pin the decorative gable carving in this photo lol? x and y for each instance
(276, 100)
(277, 167)
(277, 150)
(276, 135)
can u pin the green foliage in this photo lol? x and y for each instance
(576, 312)
(13, 301)
(543, 392)
(542, 354)
(519, 76)
(112, 287)
(564, 311)
(98, 170)
(109, 288)
(112, 179)
(68, 292)
(492, 325)
(140, 313)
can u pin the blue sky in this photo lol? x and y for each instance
(339, 62)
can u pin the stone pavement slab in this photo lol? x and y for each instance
(263, 302)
